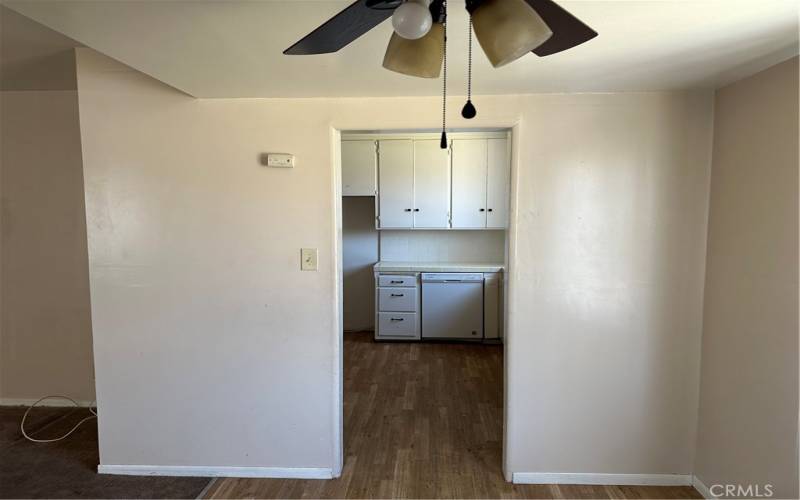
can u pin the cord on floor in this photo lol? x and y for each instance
(53, 440)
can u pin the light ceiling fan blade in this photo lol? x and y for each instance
(568, 30)
(341, 29)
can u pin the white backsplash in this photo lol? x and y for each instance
(443, 246)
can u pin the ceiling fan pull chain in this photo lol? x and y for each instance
(443, 142)
(469, 111)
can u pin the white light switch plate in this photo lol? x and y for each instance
(308, 259)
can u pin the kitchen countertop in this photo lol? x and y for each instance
(438, 267)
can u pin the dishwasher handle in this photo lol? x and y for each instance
(452, 278)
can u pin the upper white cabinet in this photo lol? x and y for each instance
(421, 186)
(359, 168)
(469, 183)
(481, 171)
(431, 185)
(498, 183)
(396, 184)
(414, 189)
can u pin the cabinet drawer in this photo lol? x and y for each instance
(397, 324)
(397, 299)
(396, 280)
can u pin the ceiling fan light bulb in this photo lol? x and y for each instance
(508, 29)
(412, 20)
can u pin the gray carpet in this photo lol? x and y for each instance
(68, 468)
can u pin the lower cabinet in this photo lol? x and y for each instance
(397, 301)
(394, 324)
(492, 306)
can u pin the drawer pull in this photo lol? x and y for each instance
(398, 295)
(396, 281)
(396, 319)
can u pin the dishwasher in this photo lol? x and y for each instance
(452, 306)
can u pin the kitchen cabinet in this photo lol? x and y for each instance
(421, 186)
(431, 185)
(498, 183)
(492, 306)
(469, 183)
(359, 168)
(396, 184)
(398, 311)
(438, 300)
(414, 189)
(480, 185)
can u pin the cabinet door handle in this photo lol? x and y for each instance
(397, 319)
(490, 209)
(481, 209)
(407, 210)
(416, 209)
(398, 295)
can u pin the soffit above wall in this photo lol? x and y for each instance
(34, 57)
(234, 48)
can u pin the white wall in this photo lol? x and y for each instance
(443, 246)
(46, 340)
(606, 283)
(45, 328)
(747, 433)
(359, 255)
(200, 310)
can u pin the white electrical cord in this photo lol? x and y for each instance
(22, 424)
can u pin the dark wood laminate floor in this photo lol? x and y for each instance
(68, 468)
(424, 420)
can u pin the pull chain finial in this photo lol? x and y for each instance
(469, 111)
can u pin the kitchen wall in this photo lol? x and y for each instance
(45, 327)
(359, 255)
(199, 306)
(747, 432)
(443, 246)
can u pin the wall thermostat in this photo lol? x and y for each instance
(279, 160)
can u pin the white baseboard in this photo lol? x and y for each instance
(59, 403)
(702, 488)
(202, 471)
(615, 479)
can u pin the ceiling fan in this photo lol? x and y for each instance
(506, 30)
(542, 25)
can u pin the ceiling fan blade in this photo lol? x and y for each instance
(340, 30)
(568, 30)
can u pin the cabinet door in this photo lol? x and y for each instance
(431, 185)
(497, 186)
(469, 183)
(491, 306)
(396, 184)
(358, 168)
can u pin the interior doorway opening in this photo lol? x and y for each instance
(424, 255)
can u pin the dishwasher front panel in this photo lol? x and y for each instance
(452, 310)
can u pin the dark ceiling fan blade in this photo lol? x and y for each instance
(568, 30)
(341, 29)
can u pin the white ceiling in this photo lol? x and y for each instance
(232, 48)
